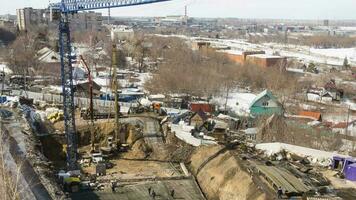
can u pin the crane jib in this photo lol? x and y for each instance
(68, 6)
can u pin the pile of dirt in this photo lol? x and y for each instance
(139, 150)
(223, 177)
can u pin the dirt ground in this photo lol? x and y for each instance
(338, 183)
(144, 168)
(130, 169)
(223, 178)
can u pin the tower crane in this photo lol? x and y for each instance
(61, 11)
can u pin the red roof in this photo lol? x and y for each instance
(205, 107)
(310, 114)
(340, 125)
(343, 124)
(328, 124)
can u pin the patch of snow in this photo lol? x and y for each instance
(250, 131)
(226, 117)
(145, 102)
(295, 70)
(103, 82)
(182, 132)
(323, 158)
(4, 68)
(341, 53)
(156, 96)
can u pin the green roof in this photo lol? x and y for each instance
(261, 95)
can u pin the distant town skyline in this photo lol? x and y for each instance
(268, 9)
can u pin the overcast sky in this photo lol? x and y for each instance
(287, 9)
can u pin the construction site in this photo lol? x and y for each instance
(119, 112)
(150, 162)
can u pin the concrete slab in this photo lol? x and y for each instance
(183, 189)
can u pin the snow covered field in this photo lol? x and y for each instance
(302, 53)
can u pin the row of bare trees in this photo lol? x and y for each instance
(317, 41)
(189, 72)
(209, 73)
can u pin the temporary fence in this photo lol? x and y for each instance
(78, 101)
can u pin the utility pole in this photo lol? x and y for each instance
(109, 16)
(3, 81)
(227, 97)
(114, 91)
(347, 121)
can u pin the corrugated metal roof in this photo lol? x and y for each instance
(284, 179)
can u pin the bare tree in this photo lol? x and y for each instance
(22, 54)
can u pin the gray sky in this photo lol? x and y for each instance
(288, 9)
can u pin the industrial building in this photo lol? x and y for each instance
(254, 57)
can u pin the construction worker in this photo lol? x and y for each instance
(149, 190)
(153, 194)
(113, 187)
(172, 193)
(279, 193)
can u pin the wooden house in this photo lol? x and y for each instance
(198, 118)
(265, 104)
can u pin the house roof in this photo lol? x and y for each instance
(328, 124)
(310, 114)
(331, 85)
(261, 95)
(47, 55)
(343, 124)
(202, 114)
(220, 125)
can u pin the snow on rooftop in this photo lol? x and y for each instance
(156, 96)
(263, 56)
(237, 102)
(103, 82)
(226, 117)
(232, 52)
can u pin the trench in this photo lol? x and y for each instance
(26, 169)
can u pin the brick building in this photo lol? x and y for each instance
(254, 57)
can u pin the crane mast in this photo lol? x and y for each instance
(67, 90)
(62, 10)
